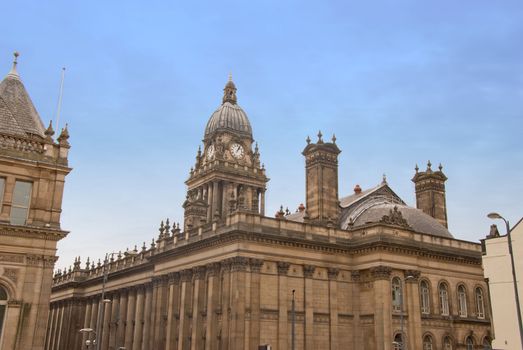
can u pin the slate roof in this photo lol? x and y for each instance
(18, 116)
(229, 117)
(371, 205)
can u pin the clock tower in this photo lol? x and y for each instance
(227, 175)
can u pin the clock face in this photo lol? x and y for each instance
(237, 151)
(210, 152)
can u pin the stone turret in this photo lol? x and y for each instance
(430, 192)
(321, 175)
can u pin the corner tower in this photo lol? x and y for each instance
(321, 177)
(227, 175)
(33, 167)
(430, 192)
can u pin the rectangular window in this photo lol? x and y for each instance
(21, 200)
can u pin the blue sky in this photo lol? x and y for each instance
(399, 82)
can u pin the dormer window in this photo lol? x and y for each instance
(21, 201)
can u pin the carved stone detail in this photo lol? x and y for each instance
(198, 272)
(381, 272)
(213, 269)
(12, 274)
(411, 276)
(11, 258)
(333, 273)
(255, 264)
(239, 263)
(186, 275)
(395, 217)
(283, 267)
(308, 271)
(355, 275)
(174, 277)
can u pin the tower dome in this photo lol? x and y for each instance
(229, 116)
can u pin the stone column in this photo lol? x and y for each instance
(255, 266)
(130, 319)
(209, 203)
(50, 328)
(382, 307)
(308, 274)
(197, 308)
(237, 334)
(138, 319)
(173, 306)
(225, 305)
(161, 313)
(333, 306)
(283, 268)
(184, 337)
(113, 324)
(66, 316)
(106, 323)
(147, 316)
(87, 321)
(412, 298)
(215, 204)
(357, 342)
(213, 292)
(155, 312)
(225, 198)
(262, 202)
(122, 316)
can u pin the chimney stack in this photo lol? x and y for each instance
(321, 175)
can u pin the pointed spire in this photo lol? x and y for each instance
(333, 138)
(64, 136)
(416, 168)
(384, 181)
(229, 91)
(308, 140)
(49, 132)
(13, 73)
(320, 140)
(429, 167)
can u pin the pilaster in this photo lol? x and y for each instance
(255, 267)
(382, 307)
(173, 307)
(283, 268)
(333, 306)
(308, 274)
(130, 318)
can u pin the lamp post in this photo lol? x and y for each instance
(514, 280)
(101, 306)
(293, 317)
(89, 341)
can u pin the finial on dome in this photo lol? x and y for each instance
(229, 92)
(333, 138)
(416, 168)
(13, 71)
(384, 181)
(429, 165)
(440, 167)
(308, 140)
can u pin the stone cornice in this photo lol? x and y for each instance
(32, 232)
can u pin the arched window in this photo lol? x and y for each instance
(470, 343)
(447, 343)
(3, 309)
(398, 342)
(427, 342)
(462, 301)
(425, 297)
(487, 344)
(480, 303)
(396, 295)
(444, 299)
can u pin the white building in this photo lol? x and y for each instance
(498, 272)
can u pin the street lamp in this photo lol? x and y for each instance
(88, 341)
(509, 239)
(402, 343)
(101, 306)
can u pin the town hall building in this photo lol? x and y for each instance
(357, 271)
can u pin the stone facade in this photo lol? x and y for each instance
(227, 278)
(33, 167)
